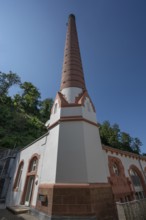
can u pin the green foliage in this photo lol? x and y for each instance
(6, 81)
(17, 129)
(111, 135)
(45, 109)
(30, 98)
(22, 117)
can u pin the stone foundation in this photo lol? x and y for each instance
(77, 201)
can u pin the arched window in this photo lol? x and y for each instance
(30, 180)
(135, 178)
(18, 176)
(137, 184)
(116, 169)
(33, 164)
(119, 182)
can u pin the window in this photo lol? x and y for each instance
(18, 176)
(139, 192)
(33, 164)
(115, 169)
(135, 178)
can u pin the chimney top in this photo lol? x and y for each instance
(72, 16)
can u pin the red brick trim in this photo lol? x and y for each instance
(35, 155)
(121, 185)
(79, 101)
(114, 160)
(72, 118)
(123, 153)
(73, 185)
(82, 97)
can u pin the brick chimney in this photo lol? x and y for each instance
(72, 72)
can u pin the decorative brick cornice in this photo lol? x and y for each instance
(73, 185)
(123, 153)
(72, 118)
(79, 101)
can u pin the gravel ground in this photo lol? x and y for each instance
(7, 215)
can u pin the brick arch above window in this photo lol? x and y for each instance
(35, 155)
(114, 161)
(136, 169)
(33, 163)
(121, 185)
(18, 176)
(139, 173)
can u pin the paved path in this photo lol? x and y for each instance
(7, 215)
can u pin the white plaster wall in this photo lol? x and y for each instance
(89, 115)
(71, 111)
(14, 198)
(95, 161)
(79, 111)
(143, 166)
(71, 93)
(80, 156)
(48, 172)
(71, 161)
(55, 116)
(105, 158)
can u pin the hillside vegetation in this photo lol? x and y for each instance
(22, 117)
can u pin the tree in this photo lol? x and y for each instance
(6, 81)
(136, 144)
(20, 122)
(30, 98)
(105, 132)
(114, 136)
(111, 135)
(126, 141)
(45, 109)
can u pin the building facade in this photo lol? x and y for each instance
(67, 173)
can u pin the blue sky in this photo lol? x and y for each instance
(112, 37)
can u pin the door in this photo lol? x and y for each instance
(29, 190)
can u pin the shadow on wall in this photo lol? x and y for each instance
(12, 197)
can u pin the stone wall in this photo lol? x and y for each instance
(135, 210)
